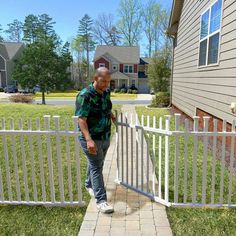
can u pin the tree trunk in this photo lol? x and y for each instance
(43, 98)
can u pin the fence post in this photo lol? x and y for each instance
(167, 146)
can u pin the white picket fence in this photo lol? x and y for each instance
(182, 166)
(40, 166)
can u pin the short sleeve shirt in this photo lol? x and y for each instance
(96, 108)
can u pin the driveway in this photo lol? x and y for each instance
(4, 95)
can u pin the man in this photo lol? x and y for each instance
(93, 108)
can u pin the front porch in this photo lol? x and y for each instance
(120, 80)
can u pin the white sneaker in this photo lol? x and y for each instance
(104, 207)
(90, 191)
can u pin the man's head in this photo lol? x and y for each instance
(102, 79)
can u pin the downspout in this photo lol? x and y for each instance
(172, 70)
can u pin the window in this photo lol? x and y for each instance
(128, 69)
(101, 64)
(210, 34)
(114, 67)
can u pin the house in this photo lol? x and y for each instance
(126, 67)
(9, 51)
(204, 66)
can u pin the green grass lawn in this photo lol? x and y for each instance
(40, 220)
(194, 221)
(72, 95)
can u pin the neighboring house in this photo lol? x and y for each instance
(126, 67)
(8, 53)
(204, 68)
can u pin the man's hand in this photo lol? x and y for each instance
(113, 118)
(91, 146)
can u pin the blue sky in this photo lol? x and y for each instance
(66, 14)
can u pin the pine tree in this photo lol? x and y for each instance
(85, 33)
(14, 31)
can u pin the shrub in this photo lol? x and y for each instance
(129, 91)
(161, 99)
(21, 98)
(134, 91)
(123, 90)
(116, 90)
(1, 89)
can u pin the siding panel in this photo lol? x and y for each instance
(210, 88)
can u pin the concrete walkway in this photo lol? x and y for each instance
(134, 214)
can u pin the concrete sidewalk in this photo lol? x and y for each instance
(134, 214)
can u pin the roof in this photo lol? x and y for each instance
(176, 10)
(119, 75)
(9, 49)
(145, 60)
(124, 54)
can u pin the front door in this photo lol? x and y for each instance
(112, 85)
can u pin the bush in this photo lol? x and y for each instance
(161, 99)
(135, 91)
(21, 98)
(129, 91)
(123, 90)
(116, 90)
(1, 89)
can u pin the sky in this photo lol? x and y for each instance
(66, 13)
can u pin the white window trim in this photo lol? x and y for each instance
(132, 69)
(209, 35)
(103, 64)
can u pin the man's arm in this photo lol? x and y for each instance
(91, 146)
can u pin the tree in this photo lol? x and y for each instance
(14, 31)
(85, 34)
(105, 31)
(152, 26)
(41, 65)
(79, 68)
(130, 23)
(1, 38)
(159, 71)
(31, 29)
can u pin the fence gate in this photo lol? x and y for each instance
(40, 164)
(177, 163)
(136, 157)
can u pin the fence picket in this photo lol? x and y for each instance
(213, 162)
(13, 141)
(160, 160)
(68, 161)
(59, 164)
(154, 157)
(231, 162)
(186, 138)
(26, 185)
(176, 178)
(167, 128)
(194, 189)
(49, 158)
(222, 164)
(204, 163)
(77, 157)
(32, 161)
(8, 173)
(127, 151)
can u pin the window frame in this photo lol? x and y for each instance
(210, 35)
(103, 65)
(129, 65)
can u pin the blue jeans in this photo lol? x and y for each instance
(94, 178)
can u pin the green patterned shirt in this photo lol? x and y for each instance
(97, 108)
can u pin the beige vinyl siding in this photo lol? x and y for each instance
(210, 88)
